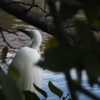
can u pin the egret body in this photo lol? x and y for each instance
(25, 62)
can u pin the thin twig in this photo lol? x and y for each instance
(68, 23)
(65, 97)
(31, 6)
(8, 31)
(27, 4)
(6, 40)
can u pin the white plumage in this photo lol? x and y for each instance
(25, 61)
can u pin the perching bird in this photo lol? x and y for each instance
(25, 62)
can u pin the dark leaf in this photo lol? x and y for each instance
(4, 54)
(69, 99)
(30, 95)
(41, 91)
(55, 90)
(60, 59)
(87, 42)
(85, 38)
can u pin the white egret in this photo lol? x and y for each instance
(25, 62)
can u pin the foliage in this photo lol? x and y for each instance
(4, 54)
(55, 90)
(41, 91)
(84, 54)
(28, 94)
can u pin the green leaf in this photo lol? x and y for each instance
(60, 59)
(4, 54)
(41, 91)
(55, 90)
(30, 95)
(10, 88)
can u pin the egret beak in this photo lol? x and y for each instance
(24, 31)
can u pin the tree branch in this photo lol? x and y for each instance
(31, 17)
(36, 20)
(8, 31)
(27, 4)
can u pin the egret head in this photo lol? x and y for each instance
(35, 36)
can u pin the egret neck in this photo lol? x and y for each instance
(35, 36)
